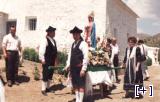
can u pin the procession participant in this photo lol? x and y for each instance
(47, 56)
(11, 45)
(110, 72)
(114, 57)
(90, 31)
(133, 72)
(77, 63)
(144, 63)
(98, 45)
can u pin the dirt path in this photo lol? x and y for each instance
(30, 90)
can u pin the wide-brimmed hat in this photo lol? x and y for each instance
(50, 29)
(76, 30)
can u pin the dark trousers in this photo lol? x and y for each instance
(77, 80)
(139, 77)
(47, 72)
(12, 61)
(115, 63)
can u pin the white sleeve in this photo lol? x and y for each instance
(42, 50)
(84, 48)
(4, 42)
(19, 43)
(112, 56)
(68, 60)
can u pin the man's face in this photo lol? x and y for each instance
(114, 42)
(52, 34)
(90, 19)
(13, 30)
(76, 36)
(131, 43)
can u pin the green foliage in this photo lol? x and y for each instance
(61, 57)
(149, 61)
(36, 73)
(30, 54)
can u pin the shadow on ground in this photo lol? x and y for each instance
(23, 79)
(57, 87)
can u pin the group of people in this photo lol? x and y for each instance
(77, 61)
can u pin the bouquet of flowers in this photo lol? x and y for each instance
(98, 58)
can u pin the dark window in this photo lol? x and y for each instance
(32, 24)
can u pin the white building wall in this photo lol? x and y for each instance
(62, 14)
(123, 21)
(3, 19)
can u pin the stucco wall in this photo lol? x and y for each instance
(62, 14)
(3, 19)
(123, 21)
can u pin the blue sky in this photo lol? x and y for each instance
(148, 11)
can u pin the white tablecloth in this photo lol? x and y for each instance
(93, 78)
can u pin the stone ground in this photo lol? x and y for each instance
(29, 89)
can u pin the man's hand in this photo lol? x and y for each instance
(43, 62)
(5, 55)
(82, 73)
(66, 68)
(123, 65)
(137, 68)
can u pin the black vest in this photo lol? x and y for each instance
(76, 55)
(50, 53)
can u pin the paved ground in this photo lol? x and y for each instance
(29, 89)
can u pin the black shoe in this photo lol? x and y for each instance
(146, 79)
(113, 87)
(140, 96)
(9, 83)
(74, 100)
(128, 95)
(49, 90)
(44, 93)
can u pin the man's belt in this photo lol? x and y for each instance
(14, 51)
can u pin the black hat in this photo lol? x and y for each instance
(50, 29)
(76, 30)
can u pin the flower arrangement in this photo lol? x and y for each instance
(98, 58)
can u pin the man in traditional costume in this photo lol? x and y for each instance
(114, 57)
(77, 63)
(47, 56)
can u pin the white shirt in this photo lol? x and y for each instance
(84, 48)
(42, 47)
(115, 51)
(11, 43)
(143, 48)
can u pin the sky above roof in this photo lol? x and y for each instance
(148, 11)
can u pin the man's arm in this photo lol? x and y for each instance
(84, 49)
(20, 48)
(4, 44)
(42, 50)
(68, 61)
